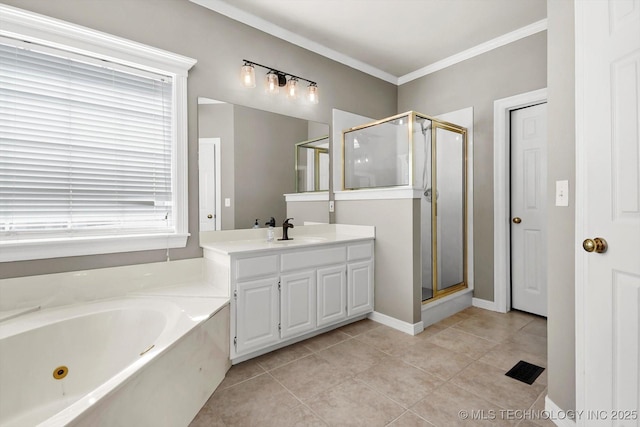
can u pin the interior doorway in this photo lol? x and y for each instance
(209, 184)
(502, 193)
(528, 144)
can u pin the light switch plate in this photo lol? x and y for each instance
(332, 206)
(562, 193)
(227, 202)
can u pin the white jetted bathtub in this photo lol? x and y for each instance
(129, 361)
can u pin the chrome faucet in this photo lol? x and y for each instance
(286, 225)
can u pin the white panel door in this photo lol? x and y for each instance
(208, 174)
(528, 209)
(608, 207)
(298, 303)
(257, 314)
(359, 288)
(332, 295)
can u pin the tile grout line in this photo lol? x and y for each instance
(304, 403)
(299, 400)
(285, 387)
(322, 349)
(422, 418)
(241, 382)
(396, 418)
(463, 332)
(478, 336)
(381, 394)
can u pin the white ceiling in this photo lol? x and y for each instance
(396, 40)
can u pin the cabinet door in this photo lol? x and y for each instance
(257, 314)
(332, 294)
(298, 303)
(360, 288)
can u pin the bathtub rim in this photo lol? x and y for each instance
(197, 311)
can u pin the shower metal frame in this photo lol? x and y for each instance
(435, 124)
(316, 161)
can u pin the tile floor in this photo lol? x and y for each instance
(367, 374)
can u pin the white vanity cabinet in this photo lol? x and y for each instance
(298, 303)
(257, 314)
(360, 277)
(256, 298)
(332, 294)
(282, 294)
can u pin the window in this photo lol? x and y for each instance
(92, 149)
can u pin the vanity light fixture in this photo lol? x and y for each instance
(273, 83)
(292, 88)
(276, 79)
(248, 75)
(313, 93)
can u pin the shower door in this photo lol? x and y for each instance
(444, 206)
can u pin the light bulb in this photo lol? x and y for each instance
(272, 83)
(292, 89)
(312, 92)
(248, 76)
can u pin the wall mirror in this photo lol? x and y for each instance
(247, 162)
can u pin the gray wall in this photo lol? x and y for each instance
(561, 220)
(509, 70)
(264, 164)
(397, 287)
(311, 211)
(219, 44)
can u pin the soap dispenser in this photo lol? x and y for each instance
(256, 225)
(271, 230)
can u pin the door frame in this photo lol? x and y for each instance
(216, 147)
(502, 192)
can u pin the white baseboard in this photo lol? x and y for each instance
(392, 322)
(483, 303)
(558, 416)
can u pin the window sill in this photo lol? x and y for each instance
(80, 246)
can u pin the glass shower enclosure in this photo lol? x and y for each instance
(413, 150)
(312, 165)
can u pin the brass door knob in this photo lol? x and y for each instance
(517, 220)
(209, 216)
(597, 245)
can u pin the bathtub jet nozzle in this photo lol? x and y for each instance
(60, 372)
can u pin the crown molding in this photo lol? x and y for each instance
(224, 8)
(239, 15)
(503, 40)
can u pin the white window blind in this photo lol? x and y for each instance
(85, 149)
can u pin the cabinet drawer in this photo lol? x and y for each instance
(258, 266)
(312, 258)
(360, 251)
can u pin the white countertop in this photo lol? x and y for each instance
(255, 240)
